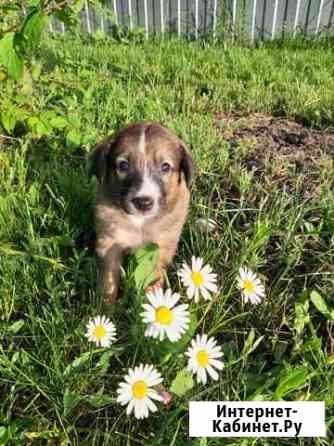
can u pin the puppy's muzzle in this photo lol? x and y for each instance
(143, 203)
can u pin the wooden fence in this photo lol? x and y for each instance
(251, 19)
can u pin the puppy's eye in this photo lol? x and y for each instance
(166, 167)
(123, 166)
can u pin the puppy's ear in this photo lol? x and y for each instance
(98, 160)
(187, 164)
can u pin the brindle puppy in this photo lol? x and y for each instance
(144, 174)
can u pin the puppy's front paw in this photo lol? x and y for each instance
(107, 303)
(158, 283)
(109, 298)
(109, 292)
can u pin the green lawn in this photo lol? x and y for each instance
(274, 208)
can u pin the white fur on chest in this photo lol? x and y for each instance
(130, 234)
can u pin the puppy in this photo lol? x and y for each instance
(143, 174)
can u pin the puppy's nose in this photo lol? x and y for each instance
(143, 203)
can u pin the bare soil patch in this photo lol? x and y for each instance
(279, 151)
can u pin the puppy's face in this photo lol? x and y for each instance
(142, 169)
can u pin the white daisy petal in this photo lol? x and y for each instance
(251, 288)
(190, 291)
(138, 411)
(150, 405)
(216, 354)
(212, 372)
(199, 279)
(196, 296)
(173, 300)
(154, 395)
(198, 262)
(203, 359)
(217, 364)
(139, 394)
(212, 287)
(205, 293)
(164, 317)
(101, 331)
(201, 376)
(207, 270)
(130, 407)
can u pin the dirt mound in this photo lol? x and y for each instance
(280, 152)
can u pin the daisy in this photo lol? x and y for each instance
(137, 392)
(250, 285)
(199, 280)
(164, 317)
(203, 358)
(101, 331)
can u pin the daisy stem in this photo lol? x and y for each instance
(208, 308)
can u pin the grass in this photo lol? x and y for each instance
(47, 265)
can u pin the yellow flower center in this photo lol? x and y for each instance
(164, 316)
(139, 389)
(100, 332)
(202, 358)
(197, 278)
(249, 286)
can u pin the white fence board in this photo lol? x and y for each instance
(253, 19)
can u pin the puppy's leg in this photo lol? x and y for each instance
(166, 253)
(110, 258)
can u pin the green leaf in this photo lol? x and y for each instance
(291, 381)
(36, 71)
(20, 44)
(33, 28)
(250, 345)
(321, 305)
(78, 363)
(73, 118)
(182, 383)
(89, 137)
(16, 326)
(9, 57)
(312, 345)
(100, 400)
(98, 35)
(70, 401)
(8, 118)
(78, 5)
(39, 125)
(27, 84)
(176, 347)
(45, 118)
(146, 259)
(58, 122)
(67, 16)
(279, 349)
(302, 318)
(4, 435)
(104, 361)
(73, 139)
(42, 128)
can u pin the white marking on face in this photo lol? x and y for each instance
(142, 142)
(149, 188)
